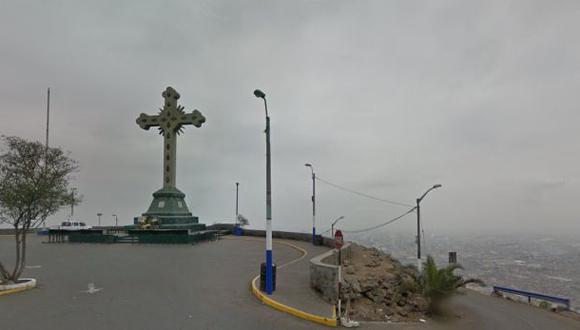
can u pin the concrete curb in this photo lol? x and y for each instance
(6, 289)
(332, 321)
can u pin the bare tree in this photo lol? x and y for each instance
(34, 183)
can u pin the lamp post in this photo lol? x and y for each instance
(72, 203)
(418, 208)
(237, 189)
(313, 202)
(269, 269)
(116, 220)
(334, 223)
(99, 216)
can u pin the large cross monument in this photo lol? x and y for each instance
(168, 204)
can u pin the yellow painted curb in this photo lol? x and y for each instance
(291, 310)
(28, 286)
(331, 322)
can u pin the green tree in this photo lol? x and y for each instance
(438, 284)
(34, 184)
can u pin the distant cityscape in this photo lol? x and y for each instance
(548, 265)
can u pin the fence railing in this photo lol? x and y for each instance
(533, 295)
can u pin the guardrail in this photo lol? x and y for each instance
(530, 295)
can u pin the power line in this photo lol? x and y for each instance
(362, 194)
(381, 225)
(329, 229)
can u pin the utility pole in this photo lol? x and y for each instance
(313, 202)
(72, 203)
(99, 216)
(418, 238)
(47, 116)
(46, 139)
(418, 209)
(116, 220)
(237, 189)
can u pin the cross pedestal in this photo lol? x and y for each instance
(168, 204)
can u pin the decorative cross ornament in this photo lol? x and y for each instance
(170, 121)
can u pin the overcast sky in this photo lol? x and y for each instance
(383, 97)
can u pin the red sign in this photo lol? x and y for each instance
(338, 239)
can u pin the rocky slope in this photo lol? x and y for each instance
(380, 288)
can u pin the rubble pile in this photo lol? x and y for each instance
(380, 288)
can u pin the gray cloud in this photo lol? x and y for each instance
(385, 98)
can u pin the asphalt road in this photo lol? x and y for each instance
(205, 286)
(485, 312)
(475, 311)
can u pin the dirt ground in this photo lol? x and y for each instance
(380, 288)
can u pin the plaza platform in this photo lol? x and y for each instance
(150, 286)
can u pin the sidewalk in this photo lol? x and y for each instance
(293, 293)
(293, 284)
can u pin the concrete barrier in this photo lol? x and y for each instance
(306, 237)
(10, 231)
(325, 273)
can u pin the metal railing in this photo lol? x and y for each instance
(530, 295)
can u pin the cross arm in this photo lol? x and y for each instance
(194, 118)
(146, 121)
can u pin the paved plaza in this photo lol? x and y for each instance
(204, 286)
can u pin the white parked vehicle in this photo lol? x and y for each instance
(73, 225)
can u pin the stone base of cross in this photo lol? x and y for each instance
(168, 204)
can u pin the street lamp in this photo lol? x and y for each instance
(418, 208)
(116, 220)
(237, 188)
(99, 216)
(72, 203)
(332, 226)
(269, 269)
(313, 202)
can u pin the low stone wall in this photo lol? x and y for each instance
(279, 234)
(306, 237)
(10, 231)
(220, 226)
(325, 273)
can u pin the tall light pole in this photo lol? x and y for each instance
(72, 203)
(99, 216)
(46, 139)
(47, 117)
(418, 208)
(313, 202)
(332, 226)
(237, 189)
(116, 220)
(269, 269)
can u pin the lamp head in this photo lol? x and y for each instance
(308, 165)
(337, 219)
(437, 186)
(259, 94)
